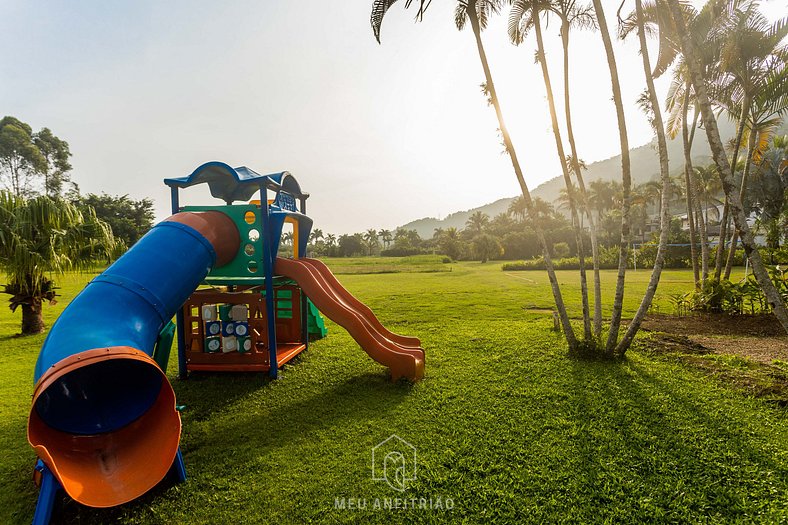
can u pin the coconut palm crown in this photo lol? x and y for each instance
(40, 237)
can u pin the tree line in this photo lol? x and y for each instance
(511, 236)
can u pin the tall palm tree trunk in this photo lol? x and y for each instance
(703, 234)
(626, 180)
(570, 191)
(664, 173)
(701, 216)
(742, 190)
(548, 262)
(570, 135)
(690, 186)
(724, 168)
(726, 209)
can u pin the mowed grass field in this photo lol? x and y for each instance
(506, 427)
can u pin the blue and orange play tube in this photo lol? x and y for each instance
(103, 418)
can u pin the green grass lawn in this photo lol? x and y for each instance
(506, 427)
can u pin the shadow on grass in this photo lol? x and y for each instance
(238, 441)
(650, 448)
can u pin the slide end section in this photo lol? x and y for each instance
(408, 367)
(104, 422)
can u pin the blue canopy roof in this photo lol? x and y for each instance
(236, 184)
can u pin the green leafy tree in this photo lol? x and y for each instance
(129, 219)
(41, 236)
(56, 154)
(20, 159)
(487, 247)
(350, 245)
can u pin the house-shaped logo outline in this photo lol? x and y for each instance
(394, 445)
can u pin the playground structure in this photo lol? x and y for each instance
(103, 421)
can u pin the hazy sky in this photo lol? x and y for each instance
(378, 134)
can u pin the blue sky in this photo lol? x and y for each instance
(378, 134)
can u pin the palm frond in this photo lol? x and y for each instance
(515, 27)
(460, 15)
(380, 7)
(41, 236)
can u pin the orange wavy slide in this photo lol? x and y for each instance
(401, 354)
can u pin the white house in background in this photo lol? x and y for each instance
(713, 231)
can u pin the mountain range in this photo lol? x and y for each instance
(644, 162)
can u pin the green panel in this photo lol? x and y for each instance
(284, 294)
(161, 352)
(315, 325)
(224, 312)
(238, 268)
(284, 314)
(285, 304)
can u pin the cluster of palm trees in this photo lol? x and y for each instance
(369, 242)
(723, 56)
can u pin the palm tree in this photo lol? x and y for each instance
(501, 224)
(544, 210)
(656, 14)
(401, 236)
(709, 188)
(664, 222)
(626, 178)
(317, 235)
(600, 196)
(385, 236)
(651, 193)
(724, 167)
(477, 222)
(517, 208)
(678, 102)
(581, 17)
(525, 14)
(766, 109)
(563, 202)
(450, 243)
(751, 53)
(42, 236)
(476, 12)
(702, 270)
(371, 240)
(331, 240)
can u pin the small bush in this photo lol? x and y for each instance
(516, 266)
(446, 259)
(743, 297)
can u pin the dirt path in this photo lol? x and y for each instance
(757, 338)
